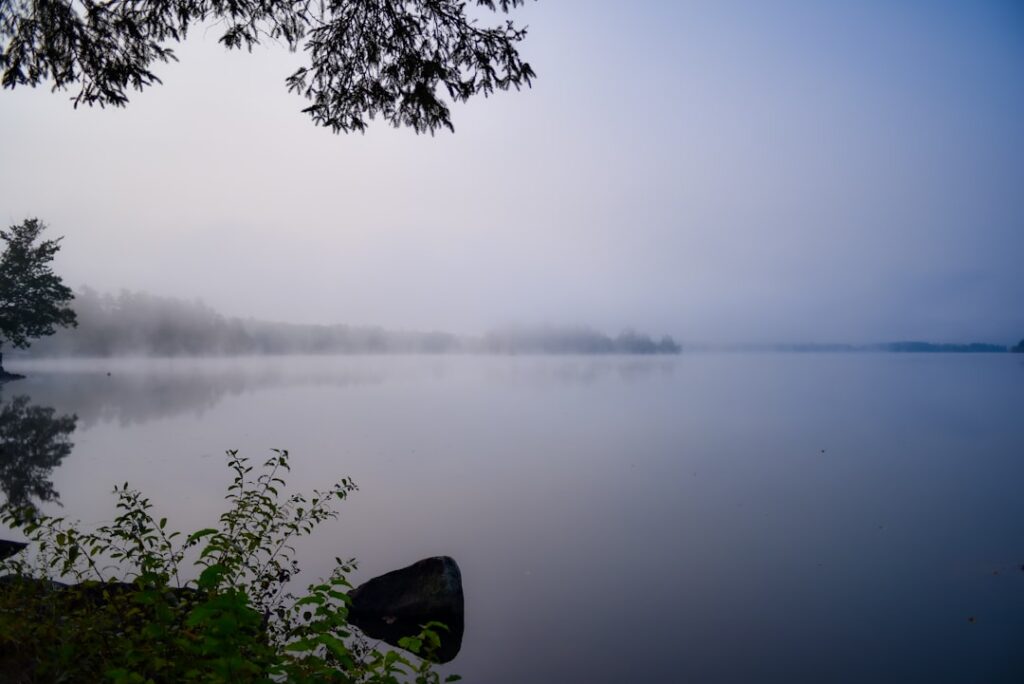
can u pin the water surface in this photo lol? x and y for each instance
(702, 518)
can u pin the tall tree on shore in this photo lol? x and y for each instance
(34, 301)
(401, 61)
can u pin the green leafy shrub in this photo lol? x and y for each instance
(212, 606)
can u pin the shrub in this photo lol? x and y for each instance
(134, 614)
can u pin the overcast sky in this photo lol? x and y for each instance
(718, 171)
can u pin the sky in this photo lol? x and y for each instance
(724, 172)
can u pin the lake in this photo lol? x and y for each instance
(699, 518)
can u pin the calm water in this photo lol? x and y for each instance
(705, 518)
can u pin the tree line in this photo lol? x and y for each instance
(137, 324)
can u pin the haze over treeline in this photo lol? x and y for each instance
(131, 324)
(138, 324)
(728, 172)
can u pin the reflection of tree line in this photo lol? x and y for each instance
(134, 394)
(130, 397)
(35, 432)
(33, 441)
(35, 438)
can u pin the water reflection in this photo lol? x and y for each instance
(743, 517)
(133, 392)
(577, 370)
(34, 440)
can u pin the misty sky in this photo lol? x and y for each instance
(718, 171)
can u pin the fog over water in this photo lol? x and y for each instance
(716, 171)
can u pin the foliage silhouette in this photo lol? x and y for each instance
(33, 300)
(33, 441)
(396, 60)
(138, 613)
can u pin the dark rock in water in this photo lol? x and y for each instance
(9, 548)
(430, 586)
(399, 603)
(5, 376)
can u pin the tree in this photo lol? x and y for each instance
(367, 58)
(33, 300)
(1019, 349)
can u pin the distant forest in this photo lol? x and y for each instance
(134, 324)
(915, 347)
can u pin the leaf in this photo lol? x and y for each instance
(211, 576)
(200, 534)
(411, 644)
(337, 648)
(306, 600)
(301, 645)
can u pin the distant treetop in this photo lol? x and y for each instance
(1019, 349)
(366, 58)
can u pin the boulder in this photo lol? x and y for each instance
(399, 603)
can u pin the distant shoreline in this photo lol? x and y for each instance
(914, 347)
(30, 357)
(134, 325)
